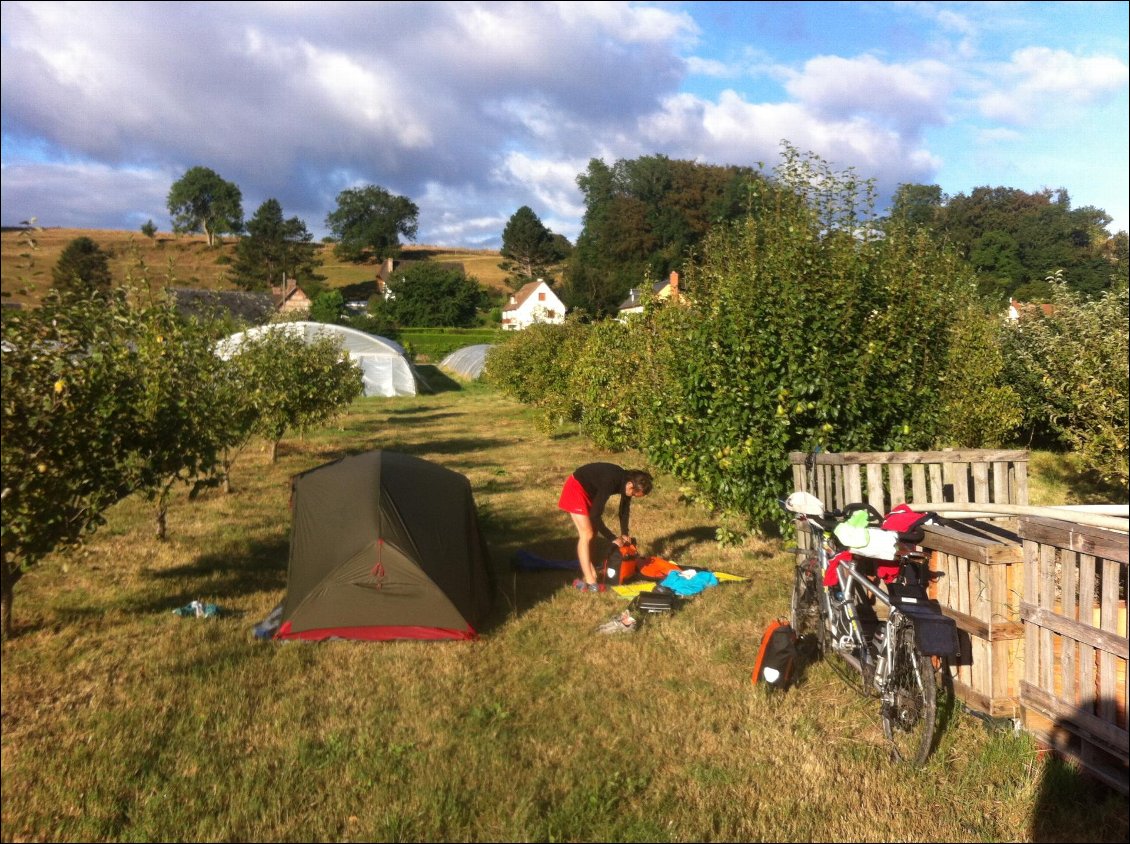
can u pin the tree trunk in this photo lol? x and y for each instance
(274, 450)
(8, 578)
(162, 521)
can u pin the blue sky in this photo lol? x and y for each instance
(475, 109)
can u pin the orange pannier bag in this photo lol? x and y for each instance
(620, 565)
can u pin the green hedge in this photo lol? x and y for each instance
(434, 344)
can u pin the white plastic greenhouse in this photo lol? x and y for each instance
(468, 361)
(385, 368)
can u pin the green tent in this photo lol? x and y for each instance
(385, 546)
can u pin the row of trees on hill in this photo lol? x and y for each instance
(803, 325)
(107, 395)
(366, 223)
(1015, 240)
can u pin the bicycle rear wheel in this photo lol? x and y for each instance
(910, 701)
(804, 608)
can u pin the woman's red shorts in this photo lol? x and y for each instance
(573, 498)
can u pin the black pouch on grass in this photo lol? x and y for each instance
(656, 602)
(776, 659)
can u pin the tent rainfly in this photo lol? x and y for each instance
(467, 362)
(385, 546)
(385, 368)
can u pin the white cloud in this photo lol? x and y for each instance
(471, 109)
(551, 182)
(908, 96)
(1041, 85)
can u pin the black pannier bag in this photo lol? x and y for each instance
(934, 632)
(776, 658)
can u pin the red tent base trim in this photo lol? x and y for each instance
(377, 634)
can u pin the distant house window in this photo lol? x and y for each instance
(541, 296)
(551, 314)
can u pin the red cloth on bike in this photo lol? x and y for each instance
(902, 519)
(830, 578)
(887, 572)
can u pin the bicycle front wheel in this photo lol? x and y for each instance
(804, 608)
(910, 701)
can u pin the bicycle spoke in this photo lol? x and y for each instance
(909, 703)
(804, 609)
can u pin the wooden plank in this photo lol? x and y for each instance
(853, 486)
(1109, 619)
(1069, 597)
(897, 483)
(1019, 485)
(982, 666)
(1047, 599)
(974, 547)
(798, 478)
(1108, 544)
(970, 696)
(936, 485)
(981, 598)
(1113, 739)
(960, 481)
(1048, 621)
(875, 491)
(988, 455)
(981, 482)
(918, 484)
(1000, 483)
(1031, 640)
(990, 632)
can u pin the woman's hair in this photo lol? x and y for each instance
(640, 480)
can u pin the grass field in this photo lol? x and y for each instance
(123, 721)
(25, 268)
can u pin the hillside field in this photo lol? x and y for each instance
(27, 259)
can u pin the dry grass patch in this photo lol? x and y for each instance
(188, 261)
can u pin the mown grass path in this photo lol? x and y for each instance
(123, 721)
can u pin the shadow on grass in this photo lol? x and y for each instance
(674, 545)
(437, 379)
(1075, 804)
(423, 420)
(245, 569)
(517, 591)
(1084, 486)
(463, 447)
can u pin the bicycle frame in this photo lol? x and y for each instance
(886, 659)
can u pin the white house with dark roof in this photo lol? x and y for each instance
(535, 302)
(661, 290)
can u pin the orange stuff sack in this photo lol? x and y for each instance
(656, 568)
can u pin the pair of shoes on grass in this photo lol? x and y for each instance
(625, 622)
(581, 586)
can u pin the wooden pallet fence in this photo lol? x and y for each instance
(884, 479)
(980, 587)
(1074, 688)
